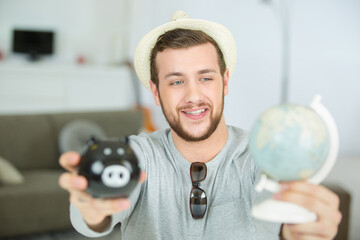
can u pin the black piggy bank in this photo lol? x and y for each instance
(111, 168)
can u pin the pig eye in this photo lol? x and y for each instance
(120, 151)
(107, 151)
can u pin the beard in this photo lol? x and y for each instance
(177, 126)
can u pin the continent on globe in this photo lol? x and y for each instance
(289, 142)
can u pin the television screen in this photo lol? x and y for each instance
(33, 42)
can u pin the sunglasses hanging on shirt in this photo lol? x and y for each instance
(198, 199)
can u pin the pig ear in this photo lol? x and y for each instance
(75, 134)
(125, 140)
(92, 140)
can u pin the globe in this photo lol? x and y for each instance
(289, 142)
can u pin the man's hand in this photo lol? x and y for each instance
(318, 199)
(96, 212)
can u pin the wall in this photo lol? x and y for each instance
(84, 27)
(326, 59)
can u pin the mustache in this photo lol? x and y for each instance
(190, 106)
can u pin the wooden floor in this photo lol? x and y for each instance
(65, 235)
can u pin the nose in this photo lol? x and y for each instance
(193, 92)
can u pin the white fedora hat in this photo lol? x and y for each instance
(180, 19)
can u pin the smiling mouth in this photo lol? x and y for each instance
(196, 112)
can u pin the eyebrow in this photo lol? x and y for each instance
(203, 71)
(170, 74)
(207, 70)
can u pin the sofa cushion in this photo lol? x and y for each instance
(8, 173)
(75, 134)
(37, 205)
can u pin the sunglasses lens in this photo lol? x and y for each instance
(198, 172)
(198, 203)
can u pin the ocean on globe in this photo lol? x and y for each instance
(289, 142)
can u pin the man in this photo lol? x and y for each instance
(199, 181)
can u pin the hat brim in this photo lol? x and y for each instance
(218, 32)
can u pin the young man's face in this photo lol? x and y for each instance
(191, 90)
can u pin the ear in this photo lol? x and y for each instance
(155, 92)
(226, 81)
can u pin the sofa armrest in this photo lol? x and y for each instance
(345, 201)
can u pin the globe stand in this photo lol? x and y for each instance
(286, 212)
(279, 211)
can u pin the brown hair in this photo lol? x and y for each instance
(182, 38)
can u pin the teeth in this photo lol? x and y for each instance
(197, 112)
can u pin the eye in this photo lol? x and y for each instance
(205, 79)
(174, 83)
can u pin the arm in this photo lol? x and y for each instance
(317, 199)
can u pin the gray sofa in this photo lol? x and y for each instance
(30, 144)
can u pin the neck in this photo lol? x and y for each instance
(205, 150)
